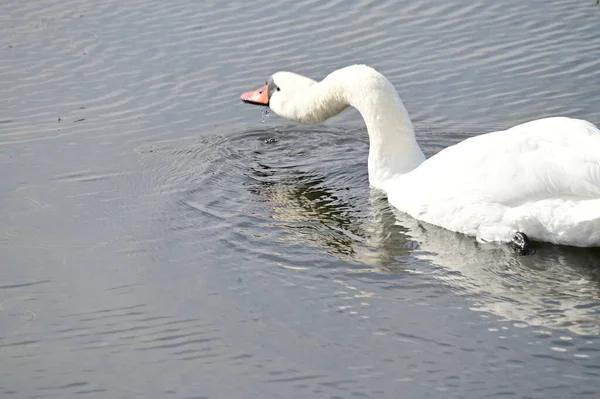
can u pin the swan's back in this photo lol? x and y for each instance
(545, 172)
(537, 159)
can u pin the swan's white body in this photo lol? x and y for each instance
(541, 178)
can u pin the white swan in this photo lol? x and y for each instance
(540, 179)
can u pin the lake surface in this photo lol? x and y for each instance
(160, 239)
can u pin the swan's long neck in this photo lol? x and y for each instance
(393, 149)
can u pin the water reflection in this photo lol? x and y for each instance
(309, 210)
(559, 287)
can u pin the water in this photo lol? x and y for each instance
(159, 240)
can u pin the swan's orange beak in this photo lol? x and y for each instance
(259, 96)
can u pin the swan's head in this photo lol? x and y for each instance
(283, 93)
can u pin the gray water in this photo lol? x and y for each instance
(160, 240)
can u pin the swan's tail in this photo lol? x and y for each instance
(564, 221)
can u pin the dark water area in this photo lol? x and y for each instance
(160, 239)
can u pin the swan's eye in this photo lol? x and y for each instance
(278, 89)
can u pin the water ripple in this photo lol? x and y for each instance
(159, 240)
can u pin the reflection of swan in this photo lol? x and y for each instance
(304, 206)
(541, 178)
(557, 288)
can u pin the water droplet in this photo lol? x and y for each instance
(264, 111)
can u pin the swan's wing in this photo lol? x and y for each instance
(542, 177)
(546, 158)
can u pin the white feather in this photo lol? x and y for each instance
(541, 178)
